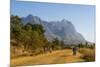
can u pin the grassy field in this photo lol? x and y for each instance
(88, 54)
(56, 57)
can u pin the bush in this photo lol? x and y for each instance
(88, 54)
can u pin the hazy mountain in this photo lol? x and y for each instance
(31, 19)
(63, 30)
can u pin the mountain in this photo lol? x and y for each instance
(63, 30)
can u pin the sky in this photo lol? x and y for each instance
(81, 16)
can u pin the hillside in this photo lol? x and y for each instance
(30, 45)
(61, 29)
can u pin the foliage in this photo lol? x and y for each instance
(87, 54)
(86, 45)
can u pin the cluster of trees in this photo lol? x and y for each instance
(30, 37)
(80, 45)
(86, 45)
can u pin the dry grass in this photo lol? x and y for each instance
(88, 54)
(56, 57)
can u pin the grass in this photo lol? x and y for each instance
(56, 57)
(87, 54)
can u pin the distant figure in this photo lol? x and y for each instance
(74, 49)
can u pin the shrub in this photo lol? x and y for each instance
(88, 54)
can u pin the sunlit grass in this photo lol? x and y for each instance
(56, 57)
(88, 54)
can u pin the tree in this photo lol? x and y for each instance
(56, 44)
(16, 28)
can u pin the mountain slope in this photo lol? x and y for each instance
(63, 30)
